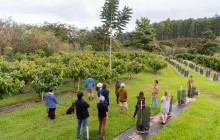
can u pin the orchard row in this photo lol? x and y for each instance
(46, 72)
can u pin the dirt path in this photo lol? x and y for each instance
(12, 107)
(155, 124)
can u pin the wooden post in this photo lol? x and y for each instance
(141, 113)
(87, 133)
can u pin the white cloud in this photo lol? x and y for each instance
(86, 13)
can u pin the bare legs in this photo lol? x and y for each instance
(102, 125)
(122, 109)
(164, 117)
(89, 95)
(125, 108)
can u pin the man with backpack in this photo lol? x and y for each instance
(89, 84)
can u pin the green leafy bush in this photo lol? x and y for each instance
(157, 63)
(44, 80)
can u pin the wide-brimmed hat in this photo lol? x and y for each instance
(99, 85)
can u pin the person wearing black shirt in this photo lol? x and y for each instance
(82, 113)
(102, 114)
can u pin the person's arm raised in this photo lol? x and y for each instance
(150, 86)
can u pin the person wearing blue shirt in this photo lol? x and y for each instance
(104, 92)
(89, 84)
(51, 102)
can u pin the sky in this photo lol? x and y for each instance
(86, 13)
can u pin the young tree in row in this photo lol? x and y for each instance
(134, 68)
(157, 63)
(44, 80)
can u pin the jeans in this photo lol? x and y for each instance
(84, 122)
(189, 89)
(117, 98)
(153, 99)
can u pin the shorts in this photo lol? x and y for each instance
(89, 90)
(124, 104)
(164, 110)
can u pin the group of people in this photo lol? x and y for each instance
(121, 99)
(103, 103)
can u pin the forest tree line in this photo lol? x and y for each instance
(188, 28)
(159, 37)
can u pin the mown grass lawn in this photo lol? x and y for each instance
(31, 122)
(201, 119)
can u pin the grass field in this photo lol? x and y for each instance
(198, 121)
(201, 119)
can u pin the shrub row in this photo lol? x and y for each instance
(215, 78)
(196, 68)
(206, 61)
(184, 72)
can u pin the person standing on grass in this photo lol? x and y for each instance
(102, 114)
(104, 92)
(82, 113)
(117, 86)
(154, 94)
(89, 84)
(122, 93)
(98, 88)
(51, 102)
(165, 106)
(190, 84)
(139, 99)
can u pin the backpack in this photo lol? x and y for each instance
(71, 109)
(106, 94)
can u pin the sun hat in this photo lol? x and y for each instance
(99, 85)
